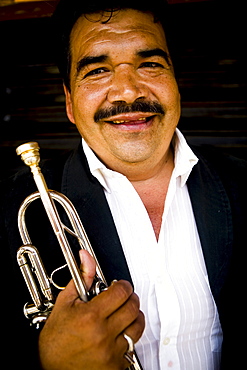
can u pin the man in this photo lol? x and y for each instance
(167, 219)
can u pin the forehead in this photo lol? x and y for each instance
(126, 28)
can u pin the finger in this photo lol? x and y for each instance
(126, 315)
(114, 297)
(68, 295)
(88, 267)
(135, 330)
(88, 271)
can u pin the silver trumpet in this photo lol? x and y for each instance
(29, 259)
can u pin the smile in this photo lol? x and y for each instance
(132, 121)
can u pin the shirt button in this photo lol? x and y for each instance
(166, 341)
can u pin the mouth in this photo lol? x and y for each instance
(133, 121)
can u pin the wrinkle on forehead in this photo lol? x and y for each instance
(124, 26)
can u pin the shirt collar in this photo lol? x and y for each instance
(184, 161)
(97, 168)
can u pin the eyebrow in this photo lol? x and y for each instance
(154, 52)
(86, 61)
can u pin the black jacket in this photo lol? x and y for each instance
(218, 194)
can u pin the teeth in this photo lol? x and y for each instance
(122, 121)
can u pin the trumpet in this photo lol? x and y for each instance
(28, 257)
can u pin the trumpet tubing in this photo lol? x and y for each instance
(27, 254)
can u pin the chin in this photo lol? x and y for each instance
(131, 153)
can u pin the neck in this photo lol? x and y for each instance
(157, 178)
(153, 190)
(148, 171)
(151, 182)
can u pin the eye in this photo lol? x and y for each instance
(96, 71)
(151, 65)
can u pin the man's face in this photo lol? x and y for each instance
(124, 98)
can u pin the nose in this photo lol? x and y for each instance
(126, 87)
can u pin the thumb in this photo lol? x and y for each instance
(88, 267)
(88, 271)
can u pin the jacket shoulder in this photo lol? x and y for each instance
(230, 169)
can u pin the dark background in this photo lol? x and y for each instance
(210, 39)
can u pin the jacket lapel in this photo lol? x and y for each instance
(214, 221)
(89, 200)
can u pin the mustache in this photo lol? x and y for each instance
(120, 108)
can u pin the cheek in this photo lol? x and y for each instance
(166, 91)
(172, 98)
(168, 95)
(88, 100)
(84, 107)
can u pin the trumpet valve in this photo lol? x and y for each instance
(37, 316)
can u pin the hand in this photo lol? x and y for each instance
(89, 336)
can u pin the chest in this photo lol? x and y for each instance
(154, 204)
(169, 275)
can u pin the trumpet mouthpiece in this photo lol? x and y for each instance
(29, 153)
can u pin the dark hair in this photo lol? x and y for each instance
(68, 12)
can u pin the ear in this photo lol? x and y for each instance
(69, 106)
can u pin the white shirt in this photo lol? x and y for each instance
(182, 330)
